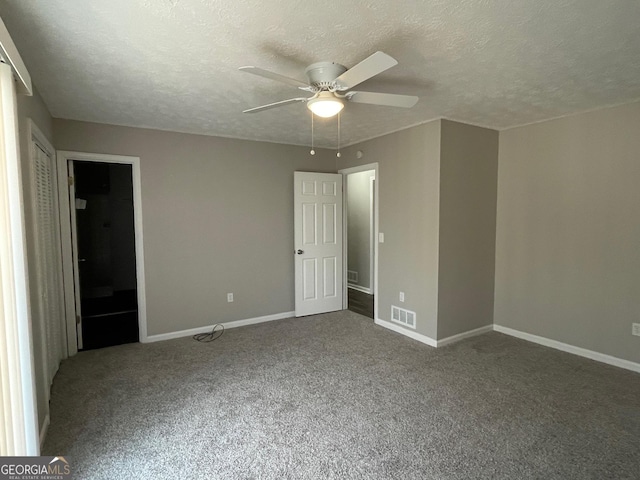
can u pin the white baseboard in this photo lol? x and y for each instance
(44, 429)
(430, 341)
(408, 333)
(359, 288)
(547, 342)
(565, 347)
(463, 335)
(227, 325)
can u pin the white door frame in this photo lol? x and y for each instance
(372, 233)
(374, 245)
(68, 266)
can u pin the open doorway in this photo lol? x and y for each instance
(102, 249)
(105, 240)
(360, 246)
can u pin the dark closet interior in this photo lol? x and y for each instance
(106, 253)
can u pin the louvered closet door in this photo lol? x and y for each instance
(47, 256)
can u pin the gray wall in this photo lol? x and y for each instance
(34, 108)
(359, 191)
(408, 182)
(568, 230)
(468, 185)
(217, 218)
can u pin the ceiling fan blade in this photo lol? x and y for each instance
(274, 105)
(261, 72)
(367, 68)
(387, 99)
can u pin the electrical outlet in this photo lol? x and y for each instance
(229, 297)
(380, 237)
(635, 329)
(402, 296)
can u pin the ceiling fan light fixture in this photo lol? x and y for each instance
(325, 104)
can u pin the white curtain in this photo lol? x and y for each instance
(18, 420)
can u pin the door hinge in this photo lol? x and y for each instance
(77, 319)
(70, 178)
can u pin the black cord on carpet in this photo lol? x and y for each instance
(210, 336)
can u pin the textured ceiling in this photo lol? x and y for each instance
(172, 64)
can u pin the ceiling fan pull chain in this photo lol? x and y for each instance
(338, 154)
(312, 152)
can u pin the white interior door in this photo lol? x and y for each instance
(318, 242)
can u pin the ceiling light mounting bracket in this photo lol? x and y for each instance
(322, 75)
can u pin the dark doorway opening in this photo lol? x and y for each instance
(106, 253)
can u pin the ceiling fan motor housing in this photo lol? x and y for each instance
(322, 74)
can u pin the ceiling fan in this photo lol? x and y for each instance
(331, 85)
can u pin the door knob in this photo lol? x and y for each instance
(300, 252)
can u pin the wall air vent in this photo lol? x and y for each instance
(403, 316)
